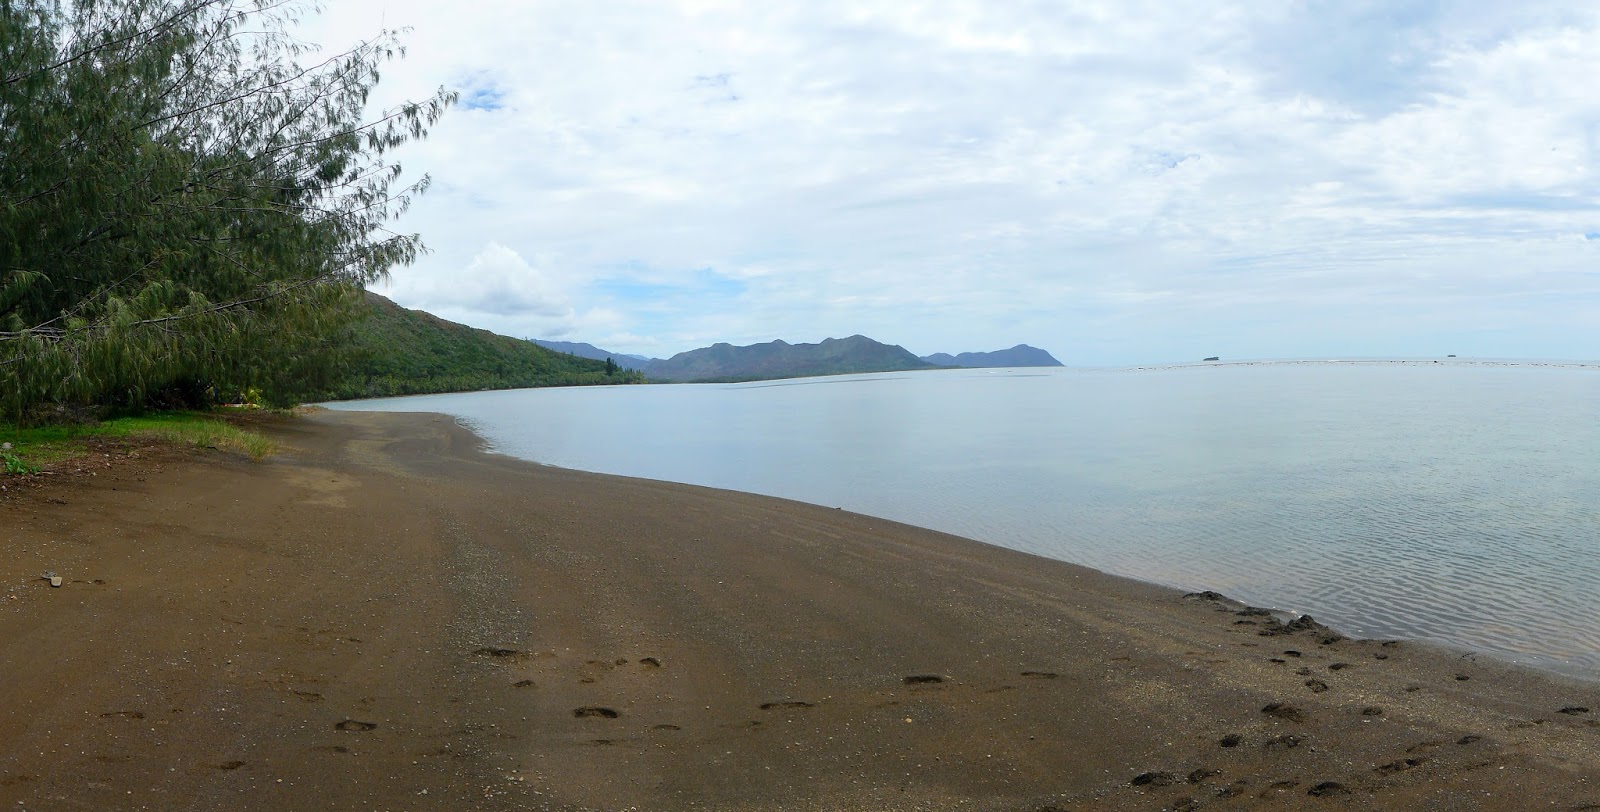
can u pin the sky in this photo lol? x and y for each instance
(1117, 182)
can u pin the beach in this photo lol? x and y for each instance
(383, 616)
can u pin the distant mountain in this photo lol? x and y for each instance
(780, 359)
(395, 351)
(1021, 355)
(583, 350)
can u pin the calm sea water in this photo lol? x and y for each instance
(1453, 503)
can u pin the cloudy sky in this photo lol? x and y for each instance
(1117, 182)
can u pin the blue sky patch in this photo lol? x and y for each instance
(702, 284)
(482, 98)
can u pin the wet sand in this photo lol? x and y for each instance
(383, 617)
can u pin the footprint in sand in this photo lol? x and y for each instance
(595, 712)
(356, 726)
(1154, 779)
(1317, 686)
(122, 714)
(1280, 710)
(502, 653)
(1051, 674)
(230, 765)
(1400, 765)
(785, 704)
(924, 679)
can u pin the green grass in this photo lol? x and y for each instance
(39, 447)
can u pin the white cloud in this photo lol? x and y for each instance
(497, 282)
(1107, 180)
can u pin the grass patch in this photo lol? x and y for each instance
(199, 431)
(33, 448)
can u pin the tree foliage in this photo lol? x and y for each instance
(184, 206)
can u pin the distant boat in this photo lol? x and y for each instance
(1449, 356)
(1212, 358)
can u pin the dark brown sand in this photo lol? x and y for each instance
(385, 618)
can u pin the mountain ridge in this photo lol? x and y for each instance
(586, 350)
(774, 359)
(780, 359)
(1021, 355)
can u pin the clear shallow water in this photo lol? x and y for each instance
(1447, 502)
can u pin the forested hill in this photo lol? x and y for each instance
(780, 359)
(410, 352)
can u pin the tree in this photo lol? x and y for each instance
(184, 208)
(611, 367)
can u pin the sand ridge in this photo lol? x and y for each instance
(385, 617)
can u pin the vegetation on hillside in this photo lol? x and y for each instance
(186, 212)
(409, 352)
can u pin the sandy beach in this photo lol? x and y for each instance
(384, 617)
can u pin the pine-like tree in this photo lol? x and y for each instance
(184, 208)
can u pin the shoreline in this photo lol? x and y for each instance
(1547, 664)
(522, 636)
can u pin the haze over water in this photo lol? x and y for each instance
(1455, 503)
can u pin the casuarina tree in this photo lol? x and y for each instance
(189, 207)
